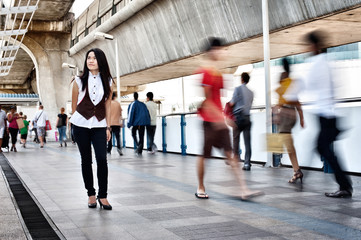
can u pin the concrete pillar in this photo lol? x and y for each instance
(54, 82)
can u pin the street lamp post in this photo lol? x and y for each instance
(104, 36)
(266, 51)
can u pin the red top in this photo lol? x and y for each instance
(12, 123)
(212, 78)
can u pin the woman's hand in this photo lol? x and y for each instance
(108, 135)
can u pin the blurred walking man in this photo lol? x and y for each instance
(319, 80)
(152, 108)
(242, 102)
(40, 119)
(115, 124)
(216, 133)
(138, 118)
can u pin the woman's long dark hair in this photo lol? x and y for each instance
(103, 70)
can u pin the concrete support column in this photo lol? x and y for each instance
(54, 83)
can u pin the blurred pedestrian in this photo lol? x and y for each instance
(13, 127)
(115, 124)
(61, 124)
(3, 125)
(319, 81)
(216, 133)
(138, 118)
(152, 109)
(286, 109)
(40, 119)
(242, 102)
(24, 131)
(91, 99)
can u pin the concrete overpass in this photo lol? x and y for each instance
(161, 39)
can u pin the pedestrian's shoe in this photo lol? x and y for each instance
(120, 151)
(65, 145)
(296, 175)
(61, 145)
(92, 205)
(246, 168)
(339, 194)
(105, 207)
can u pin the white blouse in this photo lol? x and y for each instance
(96, 92)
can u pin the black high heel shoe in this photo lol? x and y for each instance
(92, 205)
(105, 207)
(297, 175)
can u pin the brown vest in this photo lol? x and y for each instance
(87, 109)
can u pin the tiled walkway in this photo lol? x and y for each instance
(153, 198)
(10, 225)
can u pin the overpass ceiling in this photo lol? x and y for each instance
(342, 28)
(50, 10)
(20, 69)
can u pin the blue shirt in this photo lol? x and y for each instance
(138, 114)
(242, 99)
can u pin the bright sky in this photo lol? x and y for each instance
(80, 6)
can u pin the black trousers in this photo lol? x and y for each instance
(150, 136)
(140, 143)
(14, 135)
(327, 136)
(97, 137)
(116, 132)
(36, 138)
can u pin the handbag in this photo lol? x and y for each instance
(47, 125)
(277, 141)
(20, 123)
(228, 111)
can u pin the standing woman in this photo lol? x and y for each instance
(91, 98)
(13, 127)
(61, 124)
(288, 105)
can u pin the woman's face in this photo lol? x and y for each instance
(91, 62)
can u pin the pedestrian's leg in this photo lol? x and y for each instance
(64, 135)
(246, 193)
(83, 140)
(36, 139)
(152, 133)
(141, 139)
(98, 138)
(13, 133)
(148, 137)
(60, 131)
(110, 142)
(325, 141)
(247, 144)
(134, 135)
(236, 133)
(41, 137)
(200, 173)
(116, 131)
